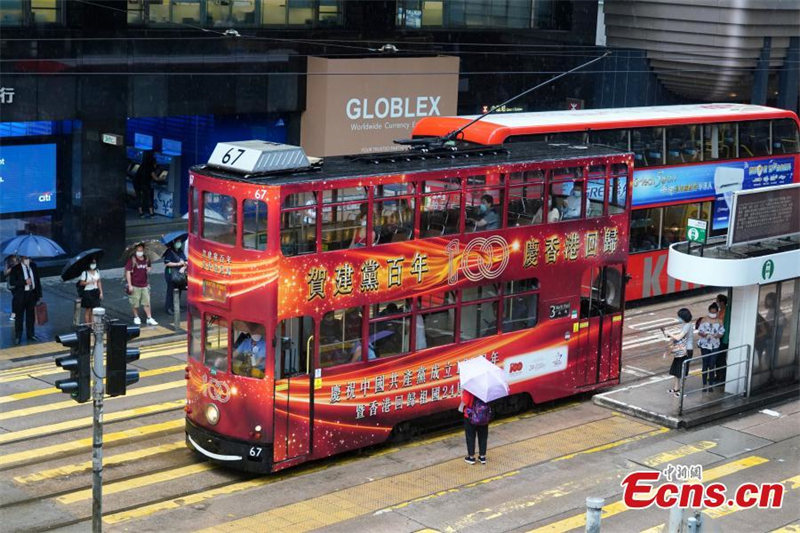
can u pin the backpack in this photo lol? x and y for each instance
(480, 413)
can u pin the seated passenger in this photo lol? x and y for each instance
(488, 219)
(573, 204)
(360, 234)
(554, 215)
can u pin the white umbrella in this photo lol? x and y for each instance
(483, 379)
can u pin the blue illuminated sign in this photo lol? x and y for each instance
(718, 180)
(27, 178)
(142, 141)
(170, 147)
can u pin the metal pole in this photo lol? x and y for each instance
(176, 308)
(98, 314)
(694, 524)
(594, 506)
(684, 372)
(676, 516)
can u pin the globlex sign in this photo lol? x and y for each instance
(356, 106)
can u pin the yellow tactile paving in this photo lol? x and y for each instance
(108, 460)
(87, 421)
(617, 507)
(683, 451)
(38, 454)
(383, 493)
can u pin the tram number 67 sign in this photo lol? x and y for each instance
(696, 230)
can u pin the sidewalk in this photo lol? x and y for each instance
(60, 297)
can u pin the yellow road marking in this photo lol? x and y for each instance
(436, 480)
(52, 390)
(681, 452)
(788, 528)
(117, 459)
(87, 421)
(617, 507)
(137, 482)
(614, 444)
(47, 451)
(46, 408)
(51, 368)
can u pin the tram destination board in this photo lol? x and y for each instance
(764, 214)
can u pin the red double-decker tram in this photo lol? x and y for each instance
(330, 302)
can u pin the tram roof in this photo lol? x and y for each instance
(389, 163)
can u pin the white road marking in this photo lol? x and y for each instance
(663, 321)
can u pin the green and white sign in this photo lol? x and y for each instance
(696, 230)
(767, 269)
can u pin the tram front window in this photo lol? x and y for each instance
(216, 344)
(249, 351)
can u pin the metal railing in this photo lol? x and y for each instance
(713, 370)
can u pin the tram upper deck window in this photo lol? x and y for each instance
(647, 145)
(254, 230)
(249, 351)
(194, 198)
(219, 218)
(785, 139)
(683, 144)
(484, 203)
(441, 207)
(299, 224)
(595, 191)
(216, 343)
(618, 189)
(754, 138)
(566, 197)
(525, 198)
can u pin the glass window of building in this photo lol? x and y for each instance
(552, 15)
(30, 12)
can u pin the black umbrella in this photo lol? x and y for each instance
(80, 262)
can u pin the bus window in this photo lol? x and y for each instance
(441, 208)
(675, 220)
(683, 144)
(345, 226)
(571, 137)
(615, 138)
(754, 138)
(254, 231)
(520, 304)
(293, 338)
(196, 334)
(484, 210)
(645, 229)
(393, 219)
(719, 141)
(647, 145)
(299, 224)
(216, 345)
(249, 351)
(340, 337)
(595, 191)
(390, 328)
(785, 137)
(479, 319)
(219, 218)
(618, 189)
(195, 199)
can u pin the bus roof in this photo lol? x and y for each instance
(343, 167)
(494, 129)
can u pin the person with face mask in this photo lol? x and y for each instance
(709, 334)
(250, 355)
(573, 203)
(92, 290)
(487, 218)
(137, 272)
(27, 291)
(175, 262)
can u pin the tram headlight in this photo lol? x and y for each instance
(212, 414)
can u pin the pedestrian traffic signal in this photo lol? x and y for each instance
(118, 377)
(77, 362)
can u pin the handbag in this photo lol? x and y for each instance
(41, 313)
(179, 279)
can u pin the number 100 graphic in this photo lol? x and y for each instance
(482, 258)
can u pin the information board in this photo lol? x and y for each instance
(27, 178)
(765, 213)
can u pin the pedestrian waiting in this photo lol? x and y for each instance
(92, 292)
(137, 275)
(26, 287)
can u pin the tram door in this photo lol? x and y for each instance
(294, 339)
(600, 325)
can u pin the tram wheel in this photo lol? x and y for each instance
(404, 431)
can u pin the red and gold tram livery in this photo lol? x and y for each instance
(331, 302)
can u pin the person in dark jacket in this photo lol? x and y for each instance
(174, 261)
(26, 288)
(143, 184)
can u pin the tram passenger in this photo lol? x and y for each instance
(554, 214)
(573, 202)
(330, 336)
(487, 217)
(360, 234)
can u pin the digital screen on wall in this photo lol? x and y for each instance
(768, 213)
(27, 177)
(142, 141)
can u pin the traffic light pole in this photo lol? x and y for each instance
(98, 314)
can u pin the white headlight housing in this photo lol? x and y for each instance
(212, 414)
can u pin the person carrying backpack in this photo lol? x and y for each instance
(477, 415)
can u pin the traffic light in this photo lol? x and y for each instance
(118, 377)
(77, 362)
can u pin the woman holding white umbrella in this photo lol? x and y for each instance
(481, 382)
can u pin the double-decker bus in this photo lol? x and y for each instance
(688, 160)
(330, 303)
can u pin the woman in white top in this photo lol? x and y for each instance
(709, 334)
(92, 290)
